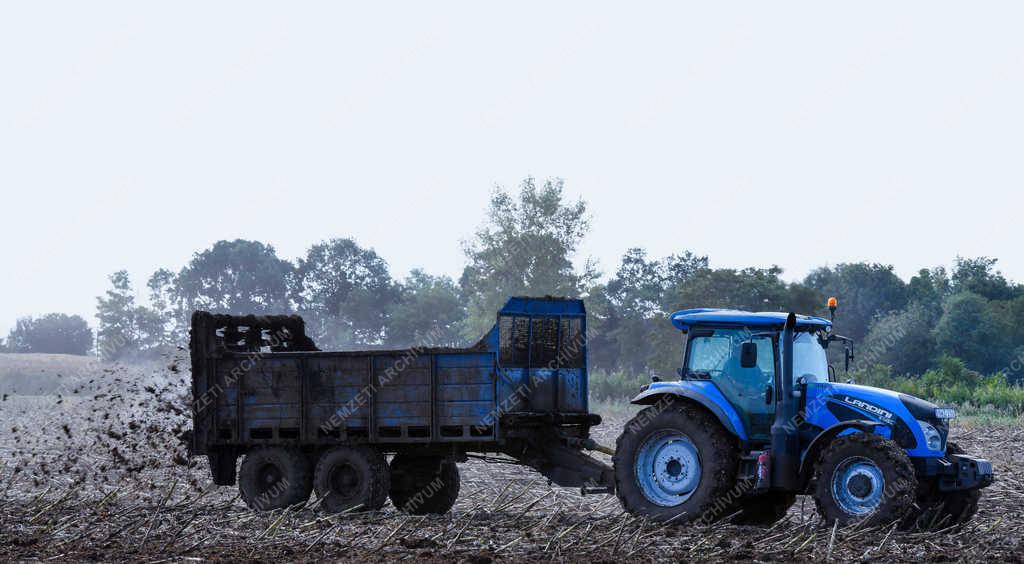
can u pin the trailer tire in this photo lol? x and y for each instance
(864, 477)
(349, 478)
(696, 441)
(423, 485)
(274, 478)
(763, 509)
(937, 510)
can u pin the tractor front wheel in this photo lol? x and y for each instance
(864, 477)
(675, 462)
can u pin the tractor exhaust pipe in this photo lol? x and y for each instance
(785, 443)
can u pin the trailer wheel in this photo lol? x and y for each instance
(676, 463)
(936, 509)
(864, 477)
(273, 478)
(763, 509)
(423, 484)
(348, 478)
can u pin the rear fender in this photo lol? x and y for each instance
(825, 437)
(703, 393)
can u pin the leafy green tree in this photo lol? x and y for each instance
(346, 292)
(626, 312)
(525, 247)
(56, 333)
(638, 286)
(430, 312)
(903, 340)
(979, 276)
(753, 289)
(126, 330)
(682, 267)
(805, 299)
(116, 314)
(237, 277)
(950, 380)
(929, 288)
(971, 330)
(1011, 313)
(864, 291)
(166, 311)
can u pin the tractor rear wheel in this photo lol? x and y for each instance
(676, 463)
(936, 509)
(764, 509)
(423, 484)
(274, 478)
(864, 477)
(348, 478)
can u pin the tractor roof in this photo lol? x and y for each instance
(687, 318)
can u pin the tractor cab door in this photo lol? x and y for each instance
(715, 354)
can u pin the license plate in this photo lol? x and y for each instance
(945, 412)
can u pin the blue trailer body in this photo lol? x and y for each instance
(259, 381)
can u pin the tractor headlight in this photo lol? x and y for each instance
(931, 435)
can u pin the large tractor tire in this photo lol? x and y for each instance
(937, 510)
(676, 463)
(273, 478)
(423, 484)
(864, 477)
(352, 478)
(763, 509)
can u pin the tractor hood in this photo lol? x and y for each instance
(832, 403)
(918, 408)
(864, 392)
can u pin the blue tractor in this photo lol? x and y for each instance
(757, 417)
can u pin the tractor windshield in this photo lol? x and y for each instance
(809, 358)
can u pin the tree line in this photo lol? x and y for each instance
(527, 244)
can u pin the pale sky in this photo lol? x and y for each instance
(800, 134)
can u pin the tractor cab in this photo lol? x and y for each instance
(740, 354)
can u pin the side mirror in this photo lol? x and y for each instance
(748, 354)
(848, 353)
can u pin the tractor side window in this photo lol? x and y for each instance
(710, 353)
(718, 354)
(755, 379)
